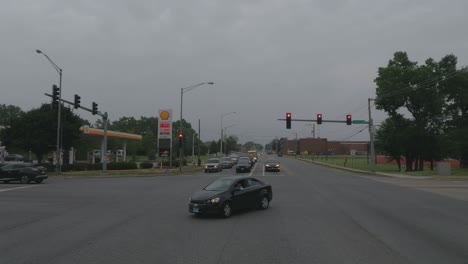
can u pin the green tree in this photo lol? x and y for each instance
(230, 144)
(36, 130)
(456, 113)
(418, 89)
(214, 147)
(390, 137)
(9, 113)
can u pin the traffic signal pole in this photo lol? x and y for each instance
(104, 119)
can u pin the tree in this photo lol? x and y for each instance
(390, 137)
(214, 147)
(230, 144)
(9, 113)
(252, 146)
(418, 89)
(456, 113)
(36, 130)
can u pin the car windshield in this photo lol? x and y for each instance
(220, 185)
(212, 161)
(243, 161)
(271, 161)
(226, 159)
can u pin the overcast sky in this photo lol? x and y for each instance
(266, 57)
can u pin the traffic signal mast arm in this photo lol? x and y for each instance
(328, 121)
(72, 103)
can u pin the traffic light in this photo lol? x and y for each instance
(348, 120)
(288, 120)
(319, 119)
(181, 138)
(55, 94)
(77, 101)
(95, 110)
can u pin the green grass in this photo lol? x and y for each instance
(362, 163)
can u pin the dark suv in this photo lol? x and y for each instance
(22, 172)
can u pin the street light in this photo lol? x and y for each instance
(225, 132)
(59, 71)
(221, 141)
(182, 91)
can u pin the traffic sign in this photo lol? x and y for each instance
(360, 122)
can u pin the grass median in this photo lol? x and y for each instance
(130, 173)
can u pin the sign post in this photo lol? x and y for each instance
(165, 134)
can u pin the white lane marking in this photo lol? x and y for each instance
(11, 189)
(251, 171)
(263, 170)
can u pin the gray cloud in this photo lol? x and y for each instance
(265, 57)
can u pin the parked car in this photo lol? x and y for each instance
(272, 165)
(228, 194)
(22, 172)
(243, 165)
(226, 163)
(213, 165)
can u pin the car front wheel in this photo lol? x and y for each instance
(227, 210)
(25, 179)
(38, 180)
(264, 202)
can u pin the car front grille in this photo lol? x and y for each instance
(198, 201)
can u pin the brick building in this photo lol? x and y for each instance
(321, 146)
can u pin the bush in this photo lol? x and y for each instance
(175, 163)
(146, 165)
(122, 166)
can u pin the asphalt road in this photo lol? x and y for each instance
(318, 215)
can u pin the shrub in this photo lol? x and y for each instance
(122, 166)
(146, 165)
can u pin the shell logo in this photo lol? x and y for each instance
(165, 115)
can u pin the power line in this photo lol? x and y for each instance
(355, 133)
(422, 84)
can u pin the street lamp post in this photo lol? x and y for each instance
(182, 91)
(221, 141)
(59, 71)
(225, 132)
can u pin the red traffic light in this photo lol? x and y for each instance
(288, 120)
(181, 135)
(319, 119)
(348, 120)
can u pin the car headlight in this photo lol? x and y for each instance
(267, 165)
(214, 200)
(277, 165)
(206, 166)
(216, 166)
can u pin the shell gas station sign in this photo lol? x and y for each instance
(165, 132)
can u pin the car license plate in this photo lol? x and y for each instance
(195, 210)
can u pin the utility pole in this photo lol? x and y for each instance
(104, 144)
(371, 134)
(313, 131)
(199, 161)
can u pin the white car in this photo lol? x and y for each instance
(213, 165)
